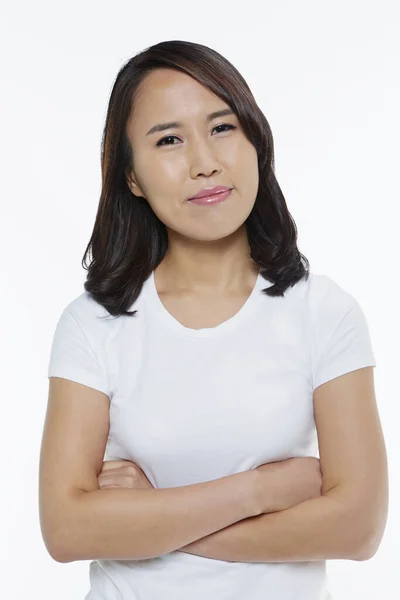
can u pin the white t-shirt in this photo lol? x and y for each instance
(190, 406)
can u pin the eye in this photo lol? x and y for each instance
(162, 142)
(225, 125)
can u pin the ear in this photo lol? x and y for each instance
(133, 184)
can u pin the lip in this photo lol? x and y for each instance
(210, 191)
(213, 199)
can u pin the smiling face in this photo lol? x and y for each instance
(191, 152)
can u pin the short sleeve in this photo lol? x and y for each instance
(341, 339)
(73, 355)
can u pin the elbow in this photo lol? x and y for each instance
(60, 557)
(57, 539)
(368, 549)
(371, 538)
(373, 532)
(56, 548)
(364, 553)
(61, 554)
(363, 523)
(63, 548)
(61, 527)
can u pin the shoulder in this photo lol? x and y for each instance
(86, 305)
(86, 313)
(325, 303)
(321, 291)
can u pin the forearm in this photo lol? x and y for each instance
(317, 529)
(136, 524)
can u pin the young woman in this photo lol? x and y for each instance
(208, 362)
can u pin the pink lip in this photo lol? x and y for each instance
(212, 199)
(207, 192)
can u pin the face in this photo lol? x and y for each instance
(174, 164)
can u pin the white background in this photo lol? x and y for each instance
(326, 75)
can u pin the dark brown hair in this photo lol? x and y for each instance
(128, 239)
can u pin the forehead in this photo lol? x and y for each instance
(171, 94)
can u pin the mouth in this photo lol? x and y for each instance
(211, 199)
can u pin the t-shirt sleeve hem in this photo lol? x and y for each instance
(342, 368)
(81, 377)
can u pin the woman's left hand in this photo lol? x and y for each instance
(122, 474)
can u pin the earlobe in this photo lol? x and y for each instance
(133, 186)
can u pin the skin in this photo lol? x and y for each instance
(208, 253)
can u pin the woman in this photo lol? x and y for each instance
(205, 354)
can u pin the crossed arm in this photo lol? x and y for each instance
(348, 520)
(327, 527)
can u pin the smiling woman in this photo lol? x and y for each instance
(182, 119)
(239, 359)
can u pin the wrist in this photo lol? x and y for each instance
(252, 486)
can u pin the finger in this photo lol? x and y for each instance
(126, 481)
(117, 465)
(118, 472)
(112, 464)
(110, 485)
(114, 470)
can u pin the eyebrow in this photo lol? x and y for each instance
(176, 124)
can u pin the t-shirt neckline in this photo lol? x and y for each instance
(165, 318)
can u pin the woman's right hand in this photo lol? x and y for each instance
(122, 474)
(288, 482)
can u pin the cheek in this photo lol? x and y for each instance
(172, 168)
(165, 175)
(164, 180)
(242, 152)
(243, 163)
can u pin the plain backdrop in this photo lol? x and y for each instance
(326, 75)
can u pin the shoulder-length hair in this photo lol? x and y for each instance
(128, 240)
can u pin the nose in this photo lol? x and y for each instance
(203, 160)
